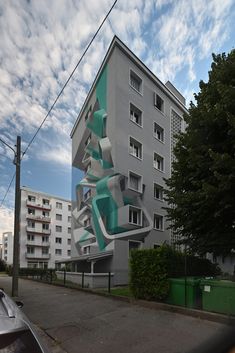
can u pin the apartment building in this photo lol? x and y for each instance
(7, 247)
(45, 229)
(122, 144)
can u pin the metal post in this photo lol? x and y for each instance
(64, 276)
(82, 279)
(185, 277)
(109, 284)
(15, 272)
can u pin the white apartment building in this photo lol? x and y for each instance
(45, 229)
(122, 144)
(7, 247)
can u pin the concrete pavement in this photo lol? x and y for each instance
(82, 322)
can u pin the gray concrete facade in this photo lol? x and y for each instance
(143, 114)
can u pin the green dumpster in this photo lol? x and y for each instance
(188, 295)
(218, 296)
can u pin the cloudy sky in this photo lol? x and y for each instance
(41, 42)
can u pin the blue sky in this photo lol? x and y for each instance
(41, 42)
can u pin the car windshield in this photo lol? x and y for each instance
(20, 342)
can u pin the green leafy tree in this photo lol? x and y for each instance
(201, 189)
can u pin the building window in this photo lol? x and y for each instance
(158, 132)
(31, 211)
(58, 251)
(156, 246)
(45, 239)
(58, 217)
(69, 230)
(30, 250)
(134, 245)
(58, 240)
(158, 222)
(45, 251)
(30, 237)
(135, 115)
(135, 216)
(87, 168)
(135, 181)
(69, 207)
(58, 229)
(88, 140)
(158, 192)
(69, 241)
(69, 219)
(135, 81)
(86, 250)
(158, 162)
(59, 205)
(45, 226)
(87, 222)
(158, 102)
(45, 213)
(5, 251)
(87, 195)
(88, 113)
(45, 202)
(31, 224)
(69, 252)
(135, 148)
(31, 198)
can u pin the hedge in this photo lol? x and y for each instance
(148, 275)
(151, 268)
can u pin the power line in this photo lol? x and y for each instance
(58, 96)
(70, 76)
(13, 177)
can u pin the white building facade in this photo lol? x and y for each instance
(45, 229)
(7, 247)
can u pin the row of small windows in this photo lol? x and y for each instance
(31, 250)
(59, 217)
(136, 183)
(137, 84)
(46, 202)
(136, 117)
(136, 150)
(135, 217)
(45, 239)
(45, 226)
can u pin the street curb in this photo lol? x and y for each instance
(199, 314)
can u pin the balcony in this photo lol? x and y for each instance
(37, 256)
(35, 243)
(37, 205)
(39, 218)
(38, 231)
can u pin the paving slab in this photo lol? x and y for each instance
(82, 322)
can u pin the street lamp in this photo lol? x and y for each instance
(15, 270)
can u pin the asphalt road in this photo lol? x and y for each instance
(77, 322)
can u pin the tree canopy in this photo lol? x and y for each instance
(201, 190)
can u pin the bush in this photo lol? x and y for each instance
(148, 275)
(2, 266)
(151, 268)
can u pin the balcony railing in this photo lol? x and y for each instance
(39, 218)
(37, 205)
(38, 231)
(37, 256)
(35, 243)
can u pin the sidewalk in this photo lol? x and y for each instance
(83, 322)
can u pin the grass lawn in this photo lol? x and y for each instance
(123, 291)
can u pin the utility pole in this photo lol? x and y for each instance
(15, 272)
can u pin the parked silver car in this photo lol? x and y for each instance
(17, 334)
